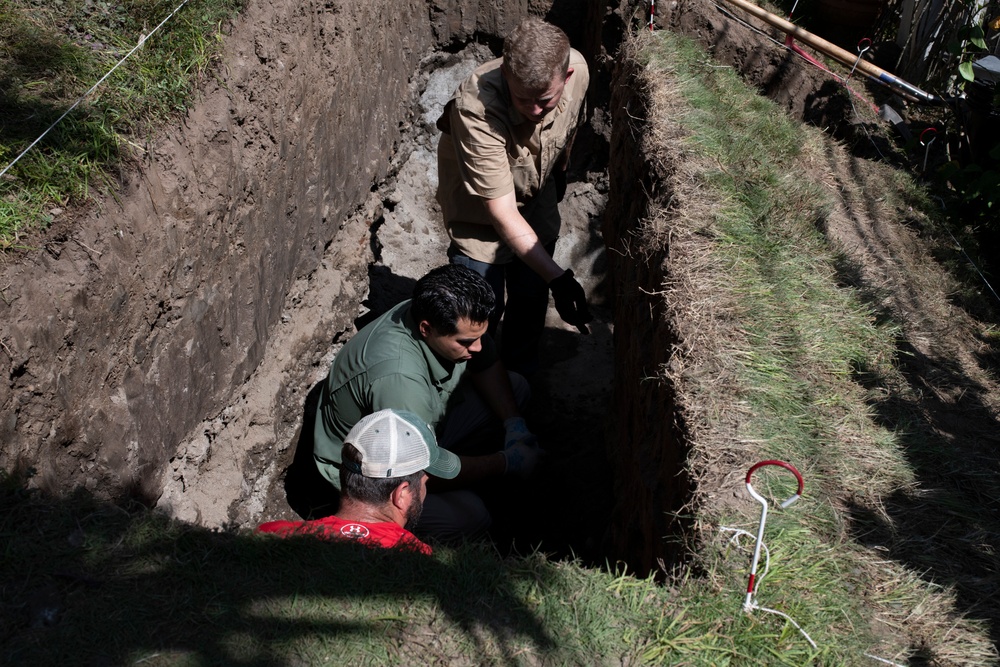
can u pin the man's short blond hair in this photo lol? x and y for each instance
(535, 52)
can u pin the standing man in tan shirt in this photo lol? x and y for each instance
(502, 159)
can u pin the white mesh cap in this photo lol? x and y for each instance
(395, 443)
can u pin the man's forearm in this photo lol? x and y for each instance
(474, 469)
(518, 235)
(570, 297)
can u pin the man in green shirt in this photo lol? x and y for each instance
(431, 356)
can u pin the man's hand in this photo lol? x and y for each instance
(520, 459)
(571, 301)
(517, 432)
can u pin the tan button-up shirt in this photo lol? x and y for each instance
(488, 149)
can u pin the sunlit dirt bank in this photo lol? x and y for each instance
(160, 345)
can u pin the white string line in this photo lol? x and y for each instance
(735, 540)
(995, 295)
(754, 605)
(142, 40)
(864, 125)
(842, 79)
(883, 660)
(745, 24)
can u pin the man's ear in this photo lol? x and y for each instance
(569, 73)
(425, 329)
(401, 496)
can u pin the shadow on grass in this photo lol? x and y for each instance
(87, 582)
(33, 60)
(949, 530)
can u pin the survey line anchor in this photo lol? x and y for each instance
(748, 603)
(926, 143)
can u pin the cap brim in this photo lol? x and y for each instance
(444, 464)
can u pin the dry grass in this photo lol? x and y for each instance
(789, 339)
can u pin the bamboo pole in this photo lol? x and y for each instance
(842, 55)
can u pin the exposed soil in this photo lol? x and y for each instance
(406, 240)
(94, 427)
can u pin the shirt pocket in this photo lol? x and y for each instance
(524, 175)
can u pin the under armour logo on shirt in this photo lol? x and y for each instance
(354, 531)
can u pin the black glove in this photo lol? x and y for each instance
(559, 177)
(571, 301)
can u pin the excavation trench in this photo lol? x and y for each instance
(401, 239)
(164, 348)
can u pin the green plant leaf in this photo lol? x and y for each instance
(978, 37)
(965, 69)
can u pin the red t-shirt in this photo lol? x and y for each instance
(383, 534)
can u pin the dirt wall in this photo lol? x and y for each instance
(125, 330)
(646, 437)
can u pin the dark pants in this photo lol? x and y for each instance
(523, 310)
(455, 516)
(527, 295)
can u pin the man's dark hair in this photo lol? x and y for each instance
(449, 293)
(370, 490)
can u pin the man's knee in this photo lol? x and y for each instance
(453, 517)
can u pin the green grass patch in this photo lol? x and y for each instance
(811, 357)
(88, 582)
(51, 54)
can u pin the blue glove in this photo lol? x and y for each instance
(520, 459)
(520, 449)
(517, 431)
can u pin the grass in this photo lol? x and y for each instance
(127, 586)
(805, 362)
(51, 54)
(809, 365)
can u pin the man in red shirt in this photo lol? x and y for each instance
(383, 481)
